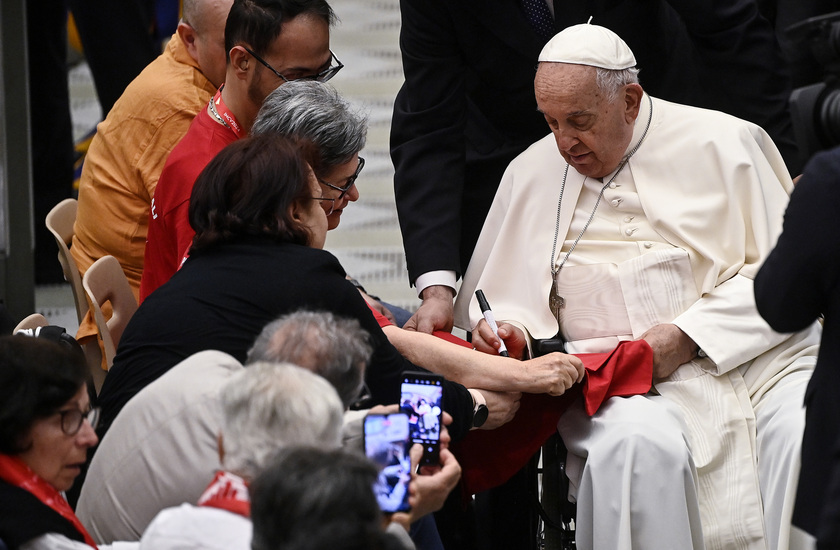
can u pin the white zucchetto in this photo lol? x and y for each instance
(588, 44)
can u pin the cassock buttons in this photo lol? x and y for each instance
(629, 219)
(615, 202)
(648, 244)
(630, 230)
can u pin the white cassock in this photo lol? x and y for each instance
(677, 238)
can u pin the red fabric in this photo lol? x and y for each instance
(228, 492)
(381, 319)
(15, 472)
(170, 234)
(488, 458)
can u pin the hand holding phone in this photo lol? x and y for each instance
(387, 444)
(421, 398)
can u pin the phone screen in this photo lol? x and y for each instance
(387, 444)
(421, 398)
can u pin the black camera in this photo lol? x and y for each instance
(815, 109)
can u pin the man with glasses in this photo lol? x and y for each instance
(269, 43)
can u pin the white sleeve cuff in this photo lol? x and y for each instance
(435, 278)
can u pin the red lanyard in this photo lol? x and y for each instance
(221, 111)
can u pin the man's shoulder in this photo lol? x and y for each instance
(166, 88)
(697, 121)
(824, 162)
(190, 379)
(680, 132)
(180, 392)
(540, 157)
(188, 158)
(203, 140)
(543, 148)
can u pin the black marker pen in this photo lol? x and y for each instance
(488, 316)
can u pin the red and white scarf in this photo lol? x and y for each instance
(229, 492)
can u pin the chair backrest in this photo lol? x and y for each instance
(33, 321)
(104, 282)
(60, 222)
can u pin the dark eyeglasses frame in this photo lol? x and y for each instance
(351, 181)
(72, 419)
(323, 76)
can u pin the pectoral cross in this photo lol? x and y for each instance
(555, 301)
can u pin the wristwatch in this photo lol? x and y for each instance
(480, 410)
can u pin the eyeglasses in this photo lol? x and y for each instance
(323, 76)
(322, 199)
(71, 420)
(350, 181)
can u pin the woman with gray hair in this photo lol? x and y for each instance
(316, 112)
(265, 408)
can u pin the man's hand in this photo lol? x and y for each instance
(485, 341)
(552, 374)
(428, 491)
(502, 407)
(671, 348)
(435, 313)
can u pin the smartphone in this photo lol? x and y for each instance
(387, 444)
(421, 398)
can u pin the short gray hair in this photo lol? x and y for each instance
(269, 406)
(610, 81)
(314, 111)
(337, 348)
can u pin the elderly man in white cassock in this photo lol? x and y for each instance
(642, 219)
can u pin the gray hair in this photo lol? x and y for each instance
(315, 111)
(610, 81)
(336, 348)
(269, 406)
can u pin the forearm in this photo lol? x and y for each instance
(458, 363)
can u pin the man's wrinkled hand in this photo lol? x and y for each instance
(671, 348)
(435, 313)
(485, 341)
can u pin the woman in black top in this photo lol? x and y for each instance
(256, 255)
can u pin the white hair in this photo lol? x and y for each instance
(269, 406)
(314, 111)
(337, 348)
(610, 82)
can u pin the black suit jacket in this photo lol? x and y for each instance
(800, 280)
(467, 106)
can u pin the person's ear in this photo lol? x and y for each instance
(297, 210)
(241, 62)
(189, 37)
(632, 101)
